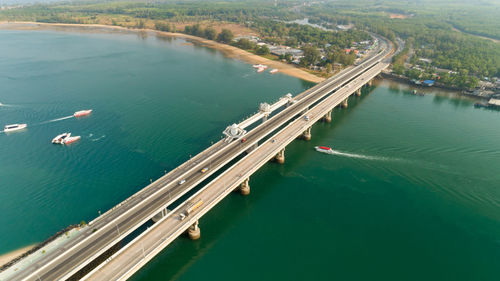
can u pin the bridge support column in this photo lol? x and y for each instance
(245, 187)
(370, 82)
(160, 215)
(194, 231)
(328, 117)
(280, 157)
(358, 92)
(307, 134)
(344, 103)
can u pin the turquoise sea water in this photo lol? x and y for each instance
(155, 102)
(413, 192)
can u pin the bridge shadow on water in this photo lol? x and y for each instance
(222, 220)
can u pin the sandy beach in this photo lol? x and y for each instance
(5, 258)
(227, 50)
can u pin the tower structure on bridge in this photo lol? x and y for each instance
(265, 109)
(233, 132)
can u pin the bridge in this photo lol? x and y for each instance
(247, 146)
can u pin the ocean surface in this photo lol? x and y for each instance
(412, 192)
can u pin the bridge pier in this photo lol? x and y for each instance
(358, 92)
(194, 231)
(245, 187)
(280, 157)
(328, 117)
(344, 103)
(370, 82)
(307, 134)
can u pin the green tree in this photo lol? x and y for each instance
(162, 26)
(210, 33)
(245, 44)
(263, 50)
(311, 56)
(226, 36)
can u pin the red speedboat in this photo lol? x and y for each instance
(324, 149)
(82, 113)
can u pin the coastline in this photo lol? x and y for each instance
(7, 257)
(227, 50)
(407, 81)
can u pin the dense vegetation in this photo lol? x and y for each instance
(440, 32)
(429, 28)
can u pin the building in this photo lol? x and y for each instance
(282, 50)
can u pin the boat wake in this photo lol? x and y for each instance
(99, 138)
(361, 156)
(58, 119)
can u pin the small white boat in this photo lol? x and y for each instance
(274, 70)
(69, 140)
(259, 66)
(65, 138)
(82, 113)
(261, 69)
(59, 139)
(14, 127)
(324, 149)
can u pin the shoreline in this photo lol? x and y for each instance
(12, 255)
(407, 81)
(228, 50)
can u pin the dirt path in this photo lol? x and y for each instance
(479, 36)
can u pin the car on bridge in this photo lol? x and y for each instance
(182, 181)
(204, 170)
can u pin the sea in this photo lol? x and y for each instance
(412, 191)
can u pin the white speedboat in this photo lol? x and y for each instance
(69, 140)
(65, 138)
(59, 139)
(14, 127)
(259, 66)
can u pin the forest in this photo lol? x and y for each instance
(444, 32)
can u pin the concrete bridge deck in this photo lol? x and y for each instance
(114, 225)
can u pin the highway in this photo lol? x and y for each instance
(130, 259)
(117, 223)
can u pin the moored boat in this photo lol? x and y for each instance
(82, 113)
(59, 139)
(65, 138)
(69, 140)
(14, 127)
(260, 69)
(259, 66)
(324, 149)
(274, 70)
